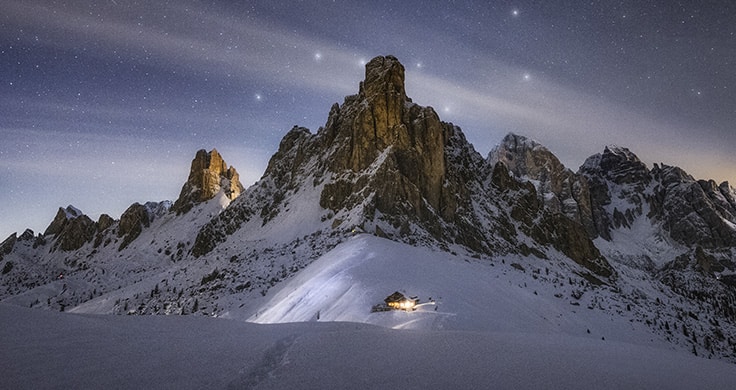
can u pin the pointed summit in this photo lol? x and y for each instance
(71, 229)
(379, 154)
(382, 121)
(384, 75)
(379, 116)
(557, 187)
(208, 175)
(618, 164)
(63, 215)
(386, 165)
(524, 156)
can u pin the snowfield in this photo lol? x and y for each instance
(468, 294)
(516, 322)
(43, 350)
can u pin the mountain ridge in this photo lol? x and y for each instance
(387, 166)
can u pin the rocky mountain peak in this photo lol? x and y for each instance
(620, 167)
(378, 154)
(383, 75)
(63, 215)
(392, 167)
(557, 187)
(525, 157)
(728, 192)
(137, 217)
(693, 212)
(71, 229)
(617, 164)
(670, 175)
(379, 157)
(209, 174)
(380, 117)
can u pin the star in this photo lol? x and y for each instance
(106, 59)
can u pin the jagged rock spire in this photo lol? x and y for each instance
(382, 116)
(384, 75)
(208, 175)
(383, 154)
(71, 229)
(393, 168)
(618, 164)
(374, 119)
(63, 215)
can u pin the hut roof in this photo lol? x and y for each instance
(395, 297)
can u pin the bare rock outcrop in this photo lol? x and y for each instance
(209, 174)
(7, 245)
(547, 226)
(137, 217)
(381, 118)
(393, 168)
(694, 212)
(615, 173)
(71, 229)
(560, 189)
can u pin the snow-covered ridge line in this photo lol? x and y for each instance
(513, 241)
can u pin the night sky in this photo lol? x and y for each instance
(104, 103)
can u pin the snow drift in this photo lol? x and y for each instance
(43, 350)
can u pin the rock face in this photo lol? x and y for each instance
(209, 174)
(103, 223)
(558, 188)
(545, 226)
(7, 245)
(615, 173)
(691, 212)
(137, 217)
(71, 228)
(389, 166)
(63, 215)
(694, 212)
(381, 120)
(132, 222)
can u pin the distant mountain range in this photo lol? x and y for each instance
(659, 241)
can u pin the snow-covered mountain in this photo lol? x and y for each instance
(386, 197)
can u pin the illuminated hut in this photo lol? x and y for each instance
(398, 301)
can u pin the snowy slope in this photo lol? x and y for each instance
(91, 272)
(642, 245)
(44, 350)
(468, 294)
(277, 284)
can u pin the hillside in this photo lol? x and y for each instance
(495, 326)
(387, 197)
